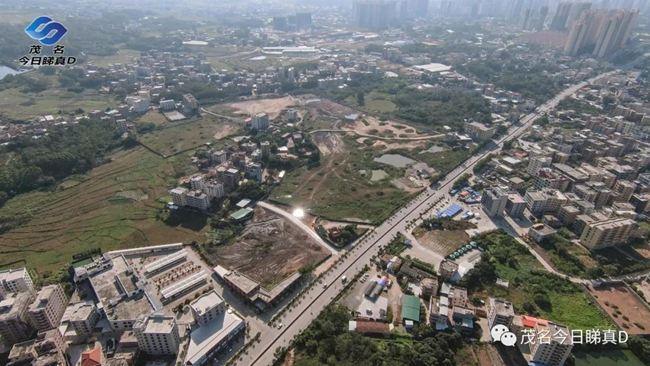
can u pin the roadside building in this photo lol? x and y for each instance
(157, 334)
(494, 201)
(479, 132)
(606, 233)
(515, 205)
(540, 232)
(260, 121)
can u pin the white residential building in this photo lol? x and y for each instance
(535, 163)
(254, 171)
(157, 334)
(14, 280)
(178, 196)
(500, 312)
(207, 307)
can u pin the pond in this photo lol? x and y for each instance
(395, 160)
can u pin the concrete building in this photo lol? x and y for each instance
(14, 320)
(499, 312)
(48, 308)
(494, 201)
(167, 105)
(536, 163)
(231, 178)
(479, 131)
(197, 182)
(215, 326)
(260, 121)
(207, 307)
(81, 317)
(554, 347)
(539, 232)
(48, 349)
(215, 189)
(535, 202)
(568, 214)
(515, 205)
(266, 149)
(157, 334)
(606, 233)
(189, 102)
(178, 196)
(254, 171)
(373, 13)
(15, 280)
(623, 191)
(197, 199)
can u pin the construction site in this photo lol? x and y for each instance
(270, 249)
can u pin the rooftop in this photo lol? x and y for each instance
(156, 324)
(206, 302)
(204, 339)
(108, 291)
(78, 312)
(242, 282)
(411, 308)
(502, 307)
(13, 274)
(14, 305)
(43, 297)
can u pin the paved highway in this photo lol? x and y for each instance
(312, 303)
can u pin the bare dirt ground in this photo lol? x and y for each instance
(619, 300)
(328, 142)
(443, 242)
(642, 249)
(383, 127)
(272, 107)
(270, 249)
(410, 145)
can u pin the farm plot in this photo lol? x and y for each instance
(270, 249)
(85, 215)
(629, 313)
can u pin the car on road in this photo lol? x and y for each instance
(280, 326)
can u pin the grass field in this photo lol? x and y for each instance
(123, 56)
(50, 102)
(185, 135)
(607, 358)
(337, 190)
(114, 206)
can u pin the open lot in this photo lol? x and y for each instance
(188, 134)
(607, 358)
(269, 249)
(121, 57)
(629, 313)
(442, 242)
(271, 106)
(338, 188)
(84, 215)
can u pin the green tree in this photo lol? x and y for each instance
(361, 98)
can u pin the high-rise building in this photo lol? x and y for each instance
(601, 32)
(14, 320)
(215, 189)
(615, 33)
(48, 308)
(576, 12)
(541, 20)
(561, 15)
(373, 13)
(266, 148)
(494, 201)
(536, 163)
(606, 233)
(554, 347)
(178, 196)
(232, 178)
(197, 182)
(303, 21)
(254, 171)
(260, 121)
(157, 334)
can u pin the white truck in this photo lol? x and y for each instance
(344, 278)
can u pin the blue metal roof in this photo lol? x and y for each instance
(451, 211)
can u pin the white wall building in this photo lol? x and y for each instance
(48, 308)
(157, 334)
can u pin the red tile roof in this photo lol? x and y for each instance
(92, 357)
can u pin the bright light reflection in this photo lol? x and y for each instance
(299, 213)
